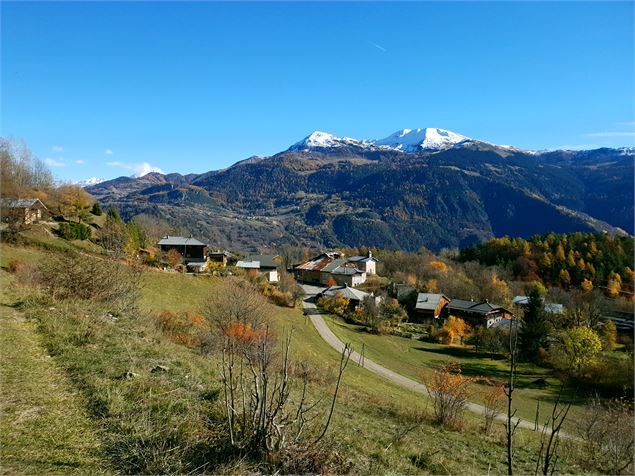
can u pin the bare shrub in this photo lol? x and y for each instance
(449, 390)
(76, 276)
(493, 402)
(607, 434)
(267, 414)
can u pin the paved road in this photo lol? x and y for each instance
(331, 339)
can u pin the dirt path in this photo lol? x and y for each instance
(44, 428)
(331, 339)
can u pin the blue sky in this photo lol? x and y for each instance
(192, 87)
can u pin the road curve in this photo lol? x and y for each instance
(331, 339)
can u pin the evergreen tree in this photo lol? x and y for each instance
(535, 330)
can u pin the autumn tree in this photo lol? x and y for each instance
(575, 348)
(113, 235)
(174, 258)
(609, 335)
(454, 327)
(449, 391)
(73, 202)
(21, 173)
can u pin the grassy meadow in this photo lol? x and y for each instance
(125, 416)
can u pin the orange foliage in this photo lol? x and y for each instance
(454, 327)
(331, 281)
(439, 266)
(243, 333)
(411, 279)
(182, 328)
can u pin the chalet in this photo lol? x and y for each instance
(330, 267)
(478, 313)
(365, 263)
(431, 306)
(24, 211)
(221, 257)
(192, 250)
(550, 308)
(265, 265)
(355, 296)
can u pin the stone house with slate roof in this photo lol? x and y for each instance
(24, 211)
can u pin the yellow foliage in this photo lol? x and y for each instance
(439, 266)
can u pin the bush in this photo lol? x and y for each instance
(74, 231)
(96, 210)
(75, 276)
(449, 391)
(183, 327)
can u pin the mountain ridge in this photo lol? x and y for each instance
(356, 193)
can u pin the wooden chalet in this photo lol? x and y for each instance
(192, 250)
(430, 307)
(478, 313)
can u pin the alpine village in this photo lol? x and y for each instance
(424, 303)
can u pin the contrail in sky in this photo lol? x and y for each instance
(379, 47)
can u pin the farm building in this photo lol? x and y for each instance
(192, 250)
(478, 313)
(327, 268)
(24, 211)
(550, 308)
(355, 296)
(221, 257)
(430, 306)
(265, 265)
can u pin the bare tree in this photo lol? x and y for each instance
(549, 445)
(510, 425)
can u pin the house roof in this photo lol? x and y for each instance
(221, 252)
(347, 292)
(428, 301)
(362, 259)
(552, 308)
(482, 307)
(180, 241)
(21, 202)
(248, 264)
(266, 261)
(318, 263)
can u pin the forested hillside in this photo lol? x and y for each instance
(577, 259)
(349, 196)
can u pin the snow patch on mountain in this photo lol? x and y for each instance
(90, 181)
(413, 140)
(405, 140)
(319, 139)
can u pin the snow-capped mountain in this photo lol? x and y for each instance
(319, 139)
(405, 140)
(413, 140)
(90, 181)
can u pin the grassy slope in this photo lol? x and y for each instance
(416, 359)
(44, 426)
(370, 412)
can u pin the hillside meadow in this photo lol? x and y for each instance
(151, 405)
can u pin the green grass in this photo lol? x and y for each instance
(169, 421)
(44, 425)
(417, 360)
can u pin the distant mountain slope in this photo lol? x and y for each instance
(449, 191)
